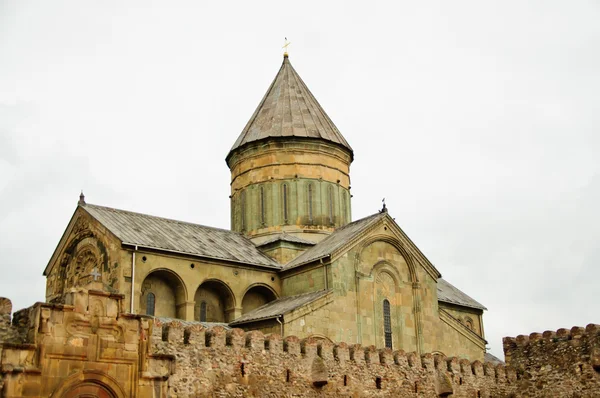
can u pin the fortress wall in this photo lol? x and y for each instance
(557, 363)
(237, 363)
(48, 349)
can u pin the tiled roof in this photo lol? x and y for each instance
(447, 293)
(178, 236)
(336, 240)
(279, 307)
(289, 109)
(286, 238)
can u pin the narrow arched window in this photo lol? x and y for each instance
(150, 304)
(284, 189)
(310, 203)
(330, 194)
(262, 205)
(203, 311)
(243, 210)
(387, 324)
(469, 323)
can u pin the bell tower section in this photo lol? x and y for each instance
(290, 167)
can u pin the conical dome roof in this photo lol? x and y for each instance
(289, 109)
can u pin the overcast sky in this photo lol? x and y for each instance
(478, 121)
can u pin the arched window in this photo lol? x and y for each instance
(310, 203)
(150, 304)
(284, 189)
(387, 324)
(262, 206)
(469, 323)
(203, 311)
(243, 210)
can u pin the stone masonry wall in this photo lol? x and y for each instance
(564, 363)
(52, 350)
(236, 363)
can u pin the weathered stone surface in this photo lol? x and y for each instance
(193, 362)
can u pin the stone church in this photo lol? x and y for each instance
(294, 261)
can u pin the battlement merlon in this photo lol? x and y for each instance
(563, 348)
(175, 338)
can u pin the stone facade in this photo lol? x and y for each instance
(290, 195)
(87, 347)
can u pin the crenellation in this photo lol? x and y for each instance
(357, 354)
(215, 337)
(341, 352)
(172, 332)
(428, 362)
(386, 356)
(273, 343)
(195, 335)
(414, 360)
(308, 347)
(325, 350)
(236, 338)
(477, 368)
(291, 345)
(371, 355)
(400, 358)
(255, 341)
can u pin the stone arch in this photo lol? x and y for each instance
(257, 295)
(219, 301)
(89, 383)
(396, 244)
(388, 269)
(393, 272)
(169, 293)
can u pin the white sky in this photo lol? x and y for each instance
(477, 120)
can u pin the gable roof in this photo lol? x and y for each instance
(448, 293)
(335, 241)
(289, 109)
(279, 307)
(178, 236)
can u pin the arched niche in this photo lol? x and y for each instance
(165, 290)
(257, 296)
(214, 302)
(89, 384)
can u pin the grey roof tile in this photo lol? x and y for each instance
(336, 240)
(279, 307)
(289, 109)
(178, 236)
(448, 293)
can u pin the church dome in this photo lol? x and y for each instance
(289, 109)
(290, 166)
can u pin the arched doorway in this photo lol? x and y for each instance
(257, 296)
(214, 302)
(163, 295)
(88, 389)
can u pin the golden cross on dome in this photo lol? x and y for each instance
(285, 47)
